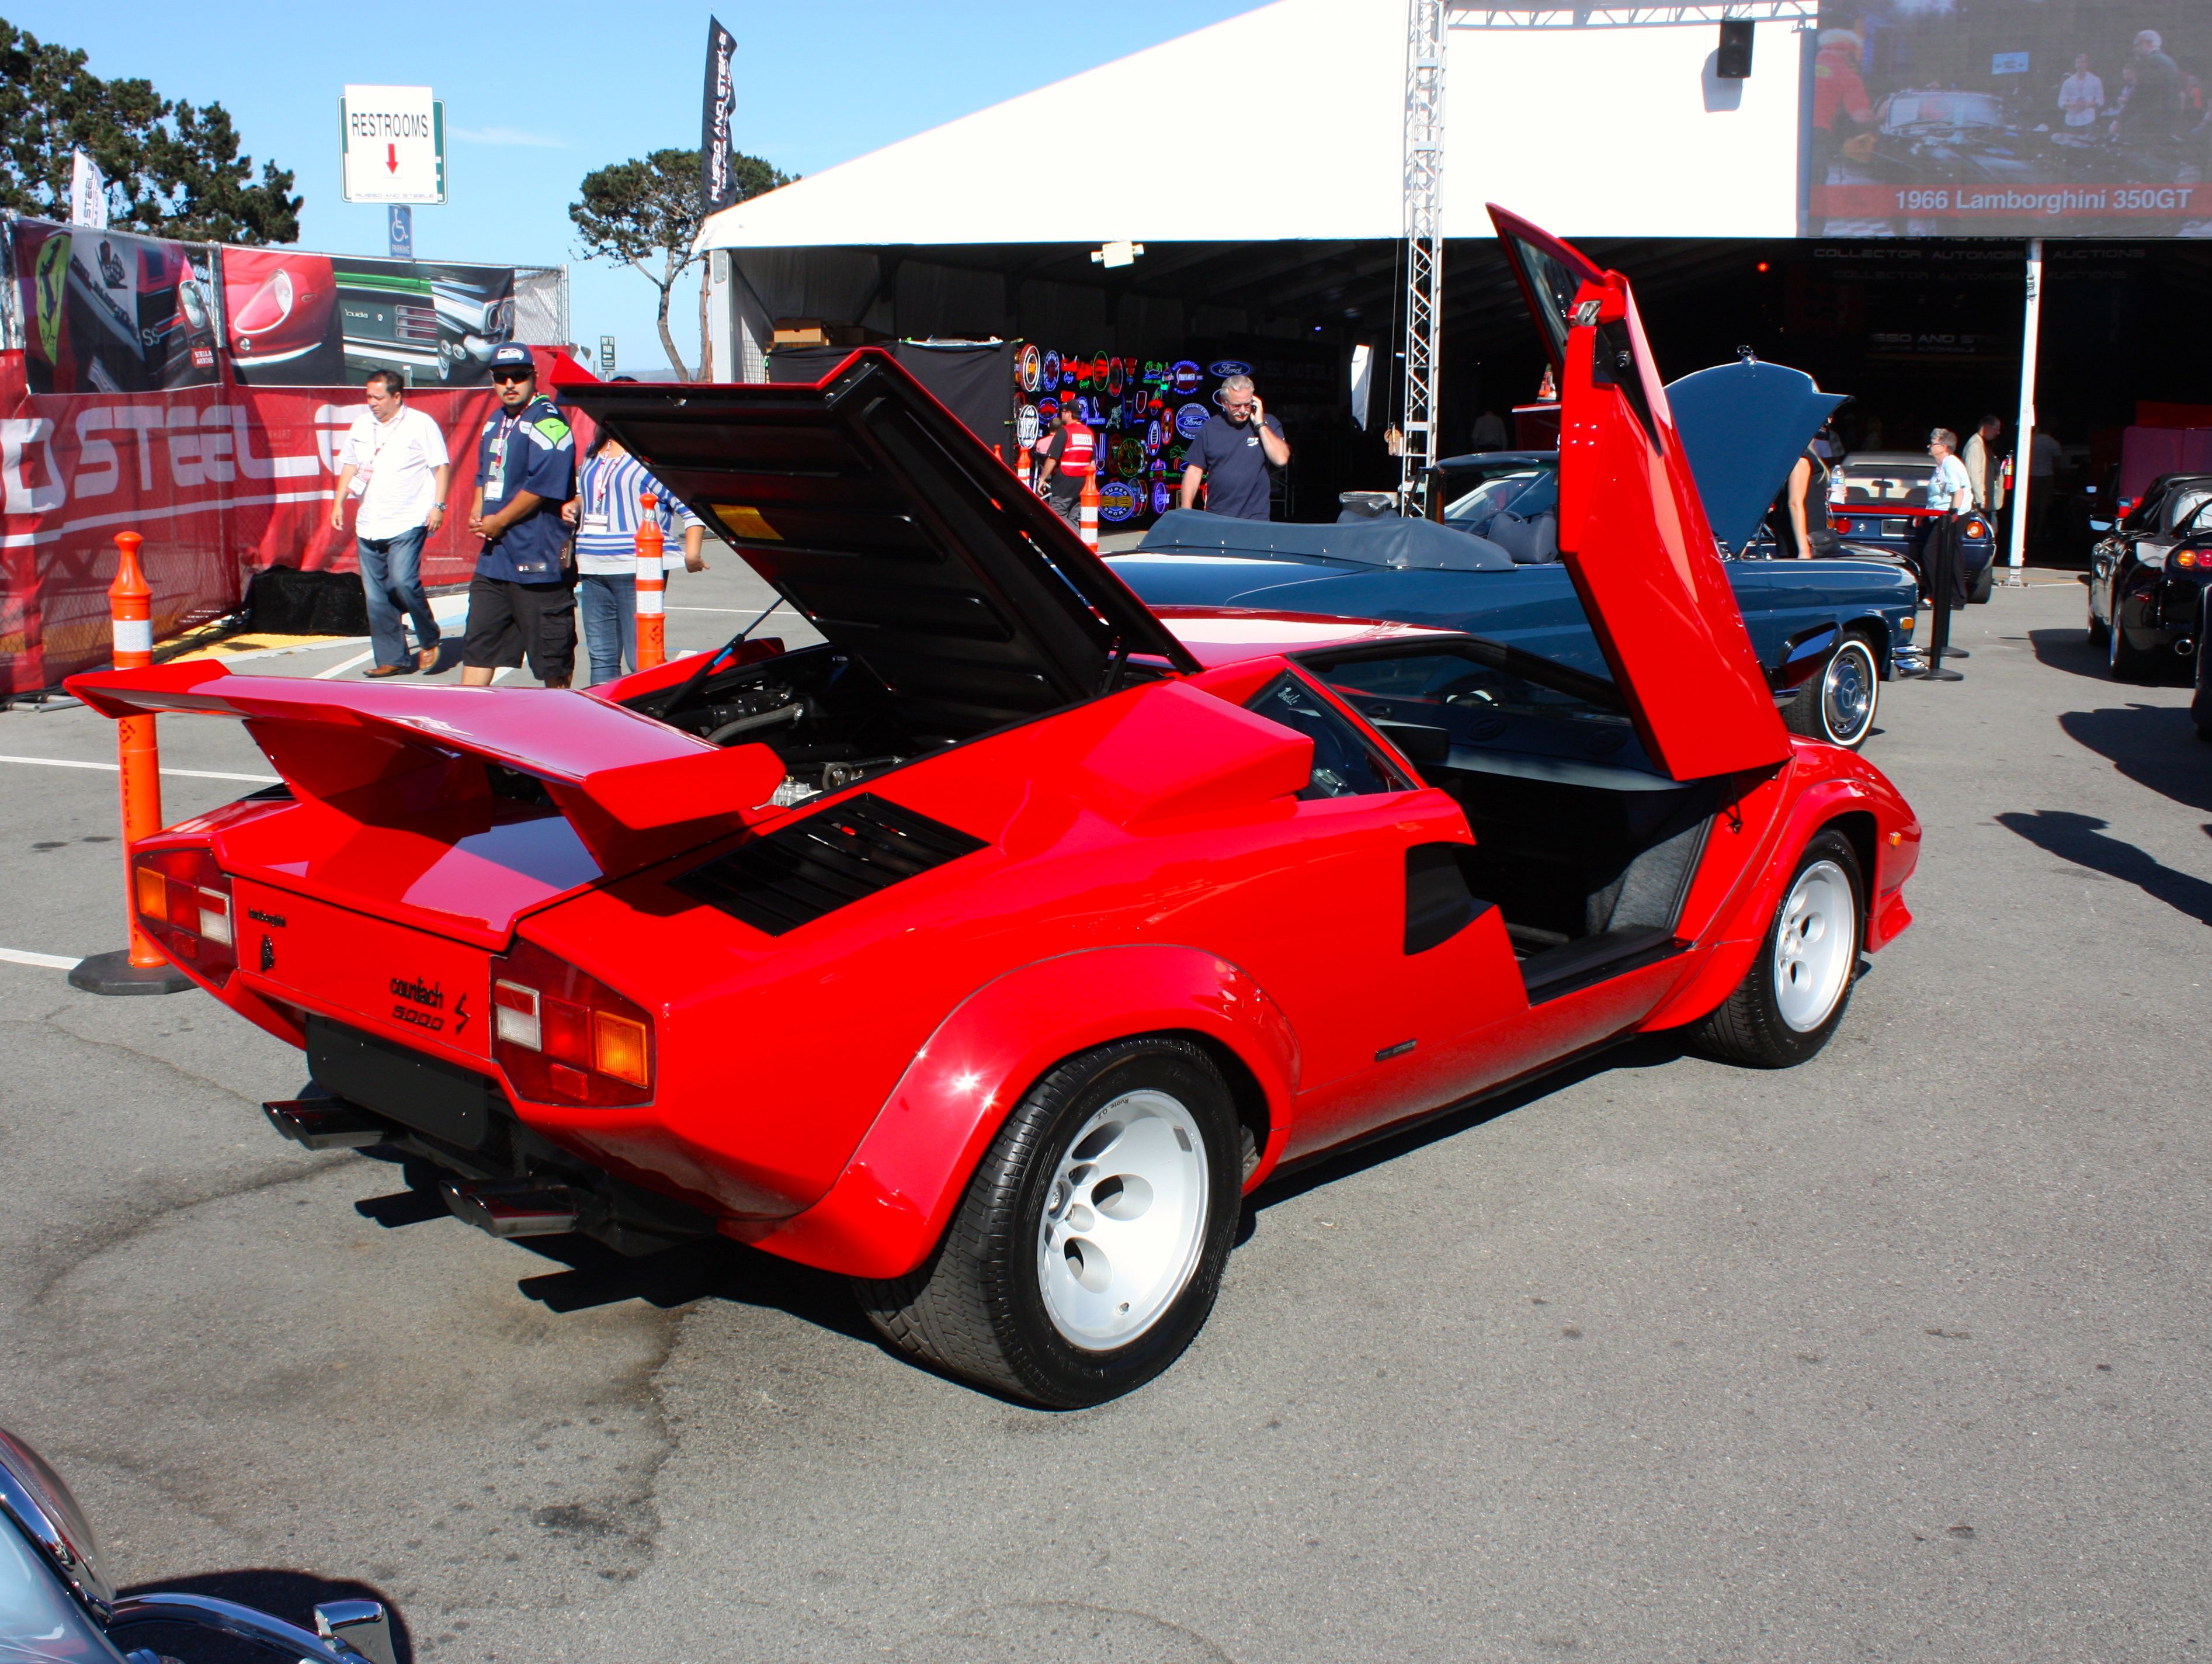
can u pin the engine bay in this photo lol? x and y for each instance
(829, 719)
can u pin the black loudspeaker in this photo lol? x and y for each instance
(1733, 62)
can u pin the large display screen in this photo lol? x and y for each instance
(2011, 117)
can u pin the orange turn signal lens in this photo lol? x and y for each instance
(153, 887)
(2186, 558)
(618, 1048)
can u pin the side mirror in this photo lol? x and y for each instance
(359, 1626)
(1806, 656)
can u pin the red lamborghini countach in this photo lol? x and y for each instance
(988, 951)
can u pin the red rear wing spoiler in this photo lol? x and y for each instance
(634, 790)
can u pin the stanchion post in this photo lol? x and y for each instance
(651, 587)
(1087, 511)
(139, 968)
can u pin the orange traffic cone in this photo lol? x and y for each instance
(1086, 512)
(652, 585)
(139, 968)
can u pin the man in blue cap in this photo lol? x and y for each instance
(522, 600)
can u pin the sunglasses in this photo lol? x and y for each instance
(513, 374)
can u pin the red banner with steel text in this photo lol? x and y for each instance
(220, 480)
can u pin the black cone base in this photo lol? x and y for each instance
(114, 973)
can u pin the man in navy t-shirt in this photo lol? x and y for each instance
(1236, 454)
(522, 600)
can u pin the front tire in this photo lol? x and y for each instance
(1793, 996)
(1087, 1251)
(1840, 707)
(1984, 585)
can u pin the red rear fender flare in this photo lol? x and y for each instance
(889, 1205)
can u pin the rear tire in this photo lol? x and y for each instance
(2097, 630)
(1838, 705)
(1793, 996)
(1089, 1247)
(2127, 663)
(1984, 585)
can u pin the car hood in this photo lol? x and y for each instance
(898, 535)
(1743, 426)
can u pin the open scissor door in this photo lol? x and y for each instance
(1632, 531)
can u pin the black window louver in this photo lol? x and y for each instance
(833, 857)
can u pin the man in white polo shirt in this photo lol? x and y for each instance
(395, 460)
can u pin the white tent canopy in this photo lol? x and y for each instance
(1292, 127)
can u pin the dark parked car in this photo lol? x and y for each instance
(1411, 570)
(1827, 631)
(1878, 501)
(59, 1605)
(2146, 578)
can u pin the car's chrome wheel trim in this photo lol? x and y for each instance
(1815, 940)
(1847, 693)
(1124, 1220)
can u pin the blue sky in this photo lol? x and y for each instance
(537, 95)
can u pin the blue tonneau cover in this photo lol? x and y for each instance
(1397, 541)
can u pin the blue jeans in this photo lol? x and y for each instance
(392, 576)
(608, 602)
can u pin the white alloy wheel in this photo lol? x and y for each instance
(1815, 941)
(1124, 1222)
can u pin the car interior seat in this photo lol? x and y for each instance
(1531, 542)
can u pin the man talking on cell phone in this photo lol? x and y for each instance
(1235, 455)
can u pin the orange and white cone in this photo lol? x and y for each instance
(140, 968)
(652, 587)
(1086, 512)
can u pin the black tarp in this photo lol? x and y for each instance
(973, 380)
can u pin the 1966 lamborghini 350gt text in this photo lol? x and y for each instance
(987, 951)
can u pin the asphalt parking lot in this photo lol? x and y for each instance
(1901, 1355)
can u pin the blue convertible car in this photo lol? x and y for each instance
(1490, 565)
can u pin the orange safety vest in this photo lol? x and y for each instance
(1075, 461)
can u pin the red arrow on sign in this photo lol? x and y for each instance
(392, 158)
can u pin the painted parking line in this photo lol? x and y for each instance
(40, 962)
(338, 670)
(188, 774)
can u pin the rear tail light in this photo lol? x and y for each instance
(184, 903)
(566, 1038)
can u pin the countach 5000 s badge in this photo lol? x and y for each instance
(418, 1003)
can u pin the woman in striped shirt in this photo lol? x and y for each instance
(606, 512)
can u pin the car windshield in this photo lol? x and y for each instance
(1943, 110)
(2187, 513)
(1903, 484)
(1528, 492)
(40, 1624)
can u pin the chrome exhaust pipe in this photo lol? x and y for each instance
(2185, 646)
(505, 1210)
(325, 1124)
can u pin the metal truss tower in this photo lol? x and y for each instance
(1424, 247)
